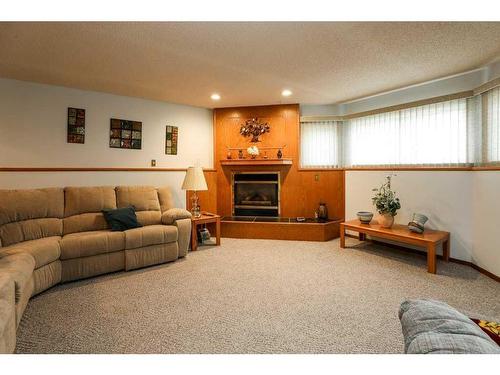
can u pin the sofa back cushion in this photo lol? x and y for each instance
(83, 208)
(145, 201)
(165, 198)
(30, 214)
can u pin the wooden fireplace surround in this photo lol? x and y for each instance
(301, 189)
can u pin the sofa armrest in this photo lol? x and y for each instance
(169, 217)
(7, 315)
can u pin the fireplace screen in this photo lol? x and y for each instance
(256, 194)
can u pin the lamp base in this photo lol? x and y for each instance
(195, 207)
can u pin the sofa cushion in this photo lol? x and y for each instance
(19, 205)
(121, 219)
(83, 208)
(44, 251)
(173, 214)
(165, 198)
(435, 327)
(30, 214)
(7, 314)
(20, 267)
(84, 244)
(144, 199)
(150, 235)
(80, 200)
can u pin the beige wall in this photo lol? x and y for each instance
(444, 197)
(486, 220)
(33, 120)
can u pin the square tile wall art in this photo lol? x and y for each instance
(76, 125)
(171, 138)
(125, 134)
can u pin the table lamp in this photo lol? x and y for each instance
(194, 181)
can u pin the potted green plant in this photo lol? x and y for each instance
(387, 203)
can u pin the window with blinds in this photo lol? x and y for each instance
(434, 134)
(491, 130)
(320, 144)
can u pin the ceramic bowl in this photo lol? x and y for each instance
(365, 217)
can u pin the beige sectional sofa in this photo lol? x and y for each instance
(54, 235)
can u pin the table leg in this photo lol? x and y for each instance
(431, 258)
(446, 250)
(194, 237)
(342, 236)
(217, 232)
(362, 236)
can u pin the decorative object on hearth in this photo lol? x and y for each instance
(125, 134)
(194, 181)
(240, 154)
(229, 155)
(265, 155)
(254, 128)
(322, 211)
(171, 138)
(76, 125)
(417, 223)
(387, 203)
(279, 154)
(253, 151)
(365, 217)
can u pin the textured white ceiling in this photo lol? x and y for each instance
(247, 63)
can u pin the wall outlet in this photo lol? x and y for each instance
(153, 162)
(316, 177)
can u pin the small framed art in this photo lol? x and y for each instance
(125, 134)
(171, 138)
(76, 125)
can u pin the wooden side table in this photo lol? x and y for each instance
(205, 218)
(400, 233)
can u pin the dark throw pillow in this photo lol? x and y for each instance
(121, 219)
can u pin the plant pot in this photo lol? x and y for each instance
(386, 220)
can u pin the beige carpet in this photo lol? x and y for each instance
(251, 296)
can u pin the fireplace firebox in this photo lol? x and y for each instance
(256, 193)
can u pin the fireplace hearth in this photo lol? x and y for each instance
(256, 194)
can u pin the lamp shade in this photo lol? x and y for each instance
(194, 180)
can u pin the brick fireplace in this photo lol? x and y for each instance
(255, 193)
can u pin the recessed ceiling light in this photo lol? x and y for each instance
(215, 96)
(286, 93)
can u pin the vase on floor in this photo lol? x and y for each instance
(386, 220)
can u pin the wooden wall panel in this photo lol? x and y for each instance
(301, 191)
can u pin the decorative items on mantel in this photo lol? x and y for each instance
(254, 152)
(387, 203)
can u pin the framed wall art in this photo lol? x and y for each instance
(76, 125)
(125, 134)
(171, 138)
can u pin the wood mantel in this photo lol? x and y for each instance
(256, 162)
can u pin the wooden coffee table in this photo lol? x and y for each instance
(205, 218)
(400, 233)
